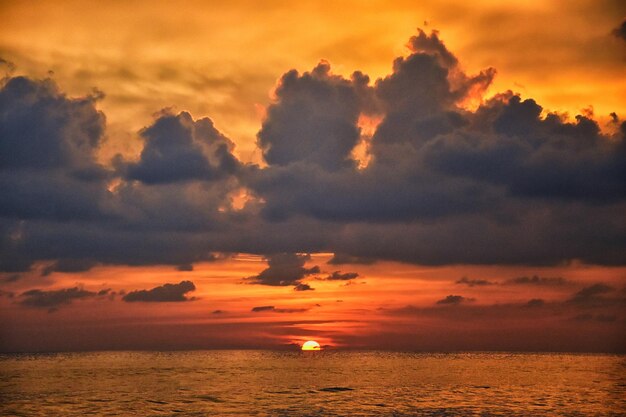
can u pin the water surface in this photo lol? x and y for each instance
(330, 383)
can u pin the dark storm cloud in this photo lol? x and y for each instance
(284, 269)
(163, 293)
(338, 276)
(54, 298)
(537, 280)
(620, 31)
(454, 300)
(507, 183)
(474, 282)
(177, 148)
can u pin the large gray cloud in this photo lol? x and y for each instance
(506, 183)
(48, 166)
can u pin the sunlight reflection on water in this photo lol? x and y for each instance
(331, 383)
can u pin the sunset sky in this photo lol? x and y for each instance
(367, 174)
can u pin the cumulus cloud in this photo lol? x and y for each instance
(314, 119)
(163, 293)
(177, 148)
(284, 269)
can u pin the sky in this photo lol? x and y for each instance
(371, 175)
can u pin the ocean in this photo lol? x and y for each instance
(325, 383)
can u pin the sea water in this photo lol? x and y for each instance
(326, 383)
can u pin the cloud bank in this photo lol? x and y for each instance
(437, 182)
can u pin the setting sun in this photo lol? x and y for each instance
(311, 345)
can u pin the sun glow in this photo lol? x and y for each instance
(311, 345)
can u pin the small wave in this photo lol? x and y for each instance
(336, 389)
(156, 402)
(209, 398)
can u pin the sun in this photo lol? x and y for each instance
(311, 345)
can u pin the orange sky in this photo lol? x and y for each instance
(388, 298)
(222, 60)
